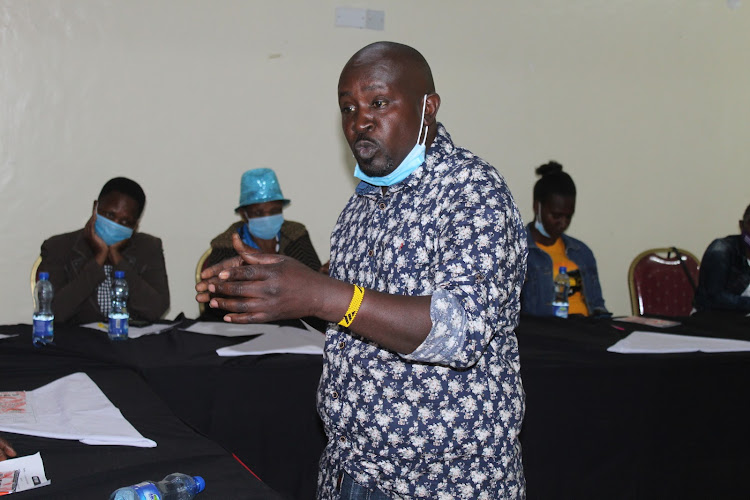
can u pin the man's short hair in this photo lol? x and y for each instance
(125, 186)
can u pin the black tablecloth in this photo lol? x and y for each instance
(608, 425)
(597, 425)
(83, 471)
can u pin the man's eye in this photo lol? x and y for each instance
(347, 109)
(379, 103)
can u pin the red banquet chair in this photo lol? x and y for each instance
(662, 282)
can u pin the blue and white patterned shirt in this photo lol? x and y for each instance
(443, 421)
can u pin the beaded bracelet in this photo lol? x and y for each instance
(359, 294)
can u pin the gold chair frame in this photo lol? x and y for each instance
(34, 269)
(198, 269)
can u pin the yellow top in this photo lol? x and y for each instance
(576, 302)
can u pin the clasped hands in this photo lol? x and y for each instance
(259, 288)
(102, 252)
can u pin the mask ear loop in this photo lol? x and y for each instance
(426, 128)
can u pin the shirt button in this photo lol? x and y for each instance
(479, 276)
(342, 344)
(370, 253)
(381, 206)
(335, 395)
(342, 439)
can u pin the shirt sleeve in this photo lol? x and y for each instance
(480, 273)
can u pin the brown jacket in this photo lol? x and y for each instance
(75, 276)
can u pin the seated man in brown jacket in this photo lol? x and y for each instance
(81, 264)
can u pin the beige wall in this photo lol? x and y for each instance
(645, 103)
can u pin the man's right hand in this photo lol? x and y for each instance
(97, 244)
(6, 451)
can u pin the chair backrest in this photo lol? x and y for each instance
(198, 269)
(201, 265)
(34, 272)
(659, 282)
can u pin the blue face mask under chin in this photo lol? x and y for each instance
(110, 231)
(267, 227)
(413, 160)
(538, 223)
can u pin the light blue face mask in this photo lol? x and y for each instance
(413, 160)
(267, 227)
(110, 231)
(538, 223)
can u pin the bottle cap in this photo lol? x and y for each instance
(119, 274)
(43, 276)
(563, 269)
(200, 483)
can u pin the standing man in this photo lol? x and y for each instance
(81, 264)
(421, 393)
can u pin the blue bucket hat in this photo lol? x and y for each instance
(259, 186)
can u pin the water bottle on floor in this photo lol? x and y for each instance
(118, 313)
(43, 318)
(562, 290)
(173, 487)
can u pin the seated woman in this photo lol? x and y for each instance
(263, 226)
(549, 248)
(724, 280)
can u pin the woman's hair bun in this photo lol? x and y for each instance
(549, 168)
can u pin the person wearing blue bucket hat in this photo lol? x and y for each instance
(263, 226)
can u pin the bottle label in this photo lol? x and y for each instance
(560, 309)
(118, 325)
(147, 491)
(43, 328)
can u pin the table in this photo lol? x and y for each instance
(597, 425)
(607, 425)
(80, 471)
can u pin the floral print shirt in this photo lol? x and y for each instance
(443, 421)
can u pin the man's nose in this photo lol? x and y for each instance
(363, 122)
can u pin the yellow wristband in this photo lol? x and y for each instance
(359, 294)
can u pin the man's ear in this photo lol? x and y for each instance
(96, 202)
(431, 109)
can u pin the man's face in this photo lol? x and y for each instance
(557, 212)
(119, 208)
(380, 115)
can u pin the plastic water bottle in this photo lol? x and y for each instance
(562, 289)
(44, 331)
(173, 487)
(118, 313)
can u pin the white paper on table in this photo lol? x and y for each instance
(136, 331)
(231, 329)
(22, 473)
(74, 407)
(4, 336)
(285, 339)
(650, 342)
